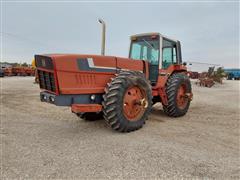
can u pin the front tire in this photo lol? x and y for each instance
(127, 101)
(178, 90)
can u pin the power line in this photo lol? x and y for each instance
(28, 40)
(195, 62)
(22, 38)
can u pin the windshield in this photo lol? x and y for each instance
(145, 49)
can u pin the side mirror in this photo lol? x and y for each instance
(184, 63)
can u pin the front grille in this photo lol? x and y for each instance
(46, 80)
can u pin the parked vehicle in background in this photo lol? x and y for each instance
(1, 72)
(233, 74)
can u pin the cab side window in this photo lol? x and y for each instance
(169, 53)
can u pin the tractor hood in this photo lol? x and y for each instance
(86, 62)
(77, 74)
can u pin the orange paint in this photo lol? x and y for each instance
(77, 108)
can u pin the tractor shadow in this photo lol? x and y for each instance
(157, 115)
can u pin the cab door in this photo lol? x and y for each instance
(147, 48)
(152, 57)
(169, 53)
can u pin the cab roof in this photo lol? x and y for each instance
(152, 34)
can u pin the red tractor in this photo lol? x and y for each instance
(122, 90)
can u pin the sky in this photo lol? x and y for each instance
(208, 31)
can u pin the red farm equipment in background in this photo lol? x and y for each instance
(23, 71)
(193, 75)
(19, 71)
(8, 71)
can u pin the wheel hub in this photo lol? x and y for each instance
(182, 97)
(134, 103)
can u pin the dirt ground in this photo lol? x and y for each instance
(39, 140)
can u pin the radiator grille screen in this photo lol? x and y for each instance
(46, 80)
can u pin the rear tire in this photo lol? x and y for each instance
(91, 116)
(177, 106)
(127, 101)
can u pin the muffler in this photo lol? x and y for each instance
(103, 36)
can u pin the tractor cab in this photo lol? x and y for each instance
(158, 50)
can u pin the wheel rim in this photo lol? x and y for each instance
(182, 99)
(134, 103)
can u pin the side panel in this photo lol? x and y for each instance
(82, 82)
(84, 74)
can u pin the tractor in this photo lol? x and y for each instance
(120, 90)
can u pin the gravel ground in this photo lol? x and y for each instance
(40, 141)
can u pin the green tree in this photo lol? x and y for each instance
(25, 64)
